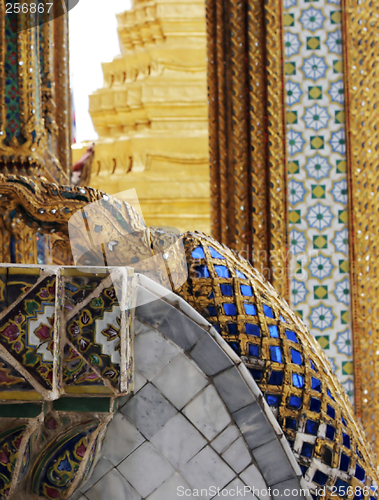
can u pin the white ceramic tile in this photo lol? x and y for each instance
(101, 468)
(237, 455)
(237, 489)
(178, 441)
(152, 352)
(207, 412)
(112, 486)
(122, 438)
(172, 489)
(253, 478)
(145, 469)
(180, 381)
(226, 438)
(206, 469)
(148, 410)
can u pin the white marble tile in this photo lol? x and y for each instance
(180, 381)
(226, 438)
(77, 496)
(233, 389)
(148, 410)
(121, 439)
(172, 489)
(149, 308)
(206, 469)
(140, 327)
(210, 356)
(139, 382)
(273, 463)
(152, 352)
(145, 469)
(208, 413)
(254, 425)
(181, 329)
(112, 486)
(237, 455)
(281, 490)
(237, 489)
(253, 478)
(178, 441)
(101, 468)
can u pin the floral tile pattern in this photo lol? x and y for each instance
(317, 181)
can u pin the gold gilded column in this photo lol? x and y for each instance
(361, 43)
(247, 132)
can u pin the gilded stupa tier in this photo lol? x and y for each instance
(151, 115)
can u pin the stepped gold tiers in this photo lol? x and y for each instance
(151, 115)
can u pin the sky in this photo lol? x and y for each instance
(93, 40)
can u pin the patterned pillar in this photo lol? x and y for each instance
(317, 177)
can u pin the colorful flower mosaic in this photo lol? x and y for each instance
(317, 183)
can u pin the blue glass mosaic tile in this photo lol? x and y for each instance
(307, 450)
(273, 400)
(227, 290)
(222, 271)
(274, 332)
(292, 336)
(239, 274)
(311, 427)
(214, 253)
(236, 347)
(296, 357)
(294, 402)
(198, 253)
(230, 309)
(254, 350)
(268, 311)
(360, 473)
(291, 423)
(330, 432)
(331, 411)
(320, 478)
(252, 330)
(232, 328)
(250, 309)
(315, 405)
(202, 271)
(344, 462)
(346, 440)
(276, 378)
(341, 487)
(297, 380)
(276, 354)
(257, 374)
(246, 290)
(316, 384)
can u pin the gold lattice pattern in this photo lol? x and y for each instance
(285, 360)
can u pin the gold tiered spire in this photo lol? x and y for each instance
(151, 115)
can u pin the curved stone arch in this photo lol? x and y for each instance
(196, 413)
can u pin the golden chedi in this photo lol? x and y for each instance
(151, 115)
